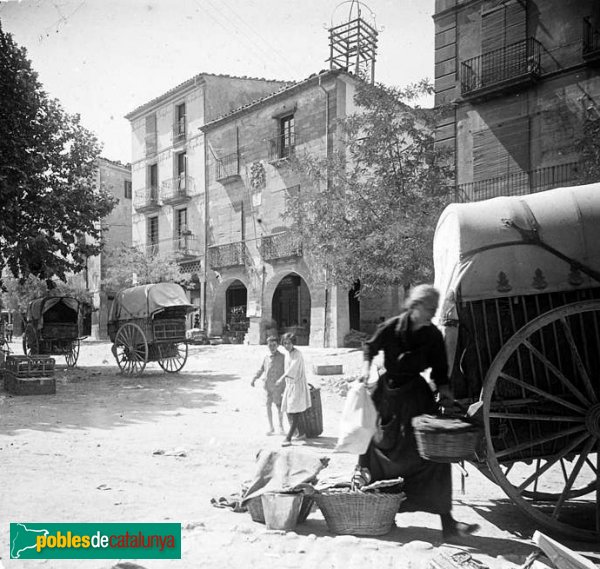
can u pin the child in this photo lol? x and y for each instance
(296, 398)
(271, 370)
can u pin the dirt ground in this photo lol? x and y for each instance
(89, 454)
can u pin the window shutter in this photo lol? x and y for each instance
(503, 25)
(501, 150)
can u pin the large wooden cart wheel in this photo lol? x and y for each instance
(131, 349)
(72, 353)
(172, 357)
(541, 410)
(31, 346)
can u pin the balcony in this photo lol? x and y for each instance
(281, 148)
(179, 131)
(176, 190)
(146, 200)
(522, 183)
(229, 255)
(186, 246)
(181, 248)
(501, 70)
(228, 168)
(591, 41)
(280, 246)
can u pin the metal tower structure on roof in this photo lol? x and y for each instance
(353, 43)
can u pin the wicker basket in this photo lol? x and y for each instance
(255, 509)
(445, 439)
(311, 420)
(359, 513)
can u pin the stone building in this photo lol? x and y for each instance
(169, 163)
(522, 80)
(258, 276)
(114, 177)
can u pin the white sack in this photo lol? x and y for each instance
(359, 421)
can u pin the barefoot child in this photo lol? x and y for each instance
(271, 370)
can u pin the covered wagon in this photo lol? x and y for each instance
(55, 327)
(148, 323)
(519, 279)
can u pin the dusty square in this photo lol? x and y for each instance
(158, 447)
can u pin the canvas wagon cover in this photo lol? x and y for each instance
(38, 307)
(144, 300)
(479, 254)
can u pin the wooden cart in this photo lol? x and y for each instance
(520, 285)
(147, 323)
(55, 327)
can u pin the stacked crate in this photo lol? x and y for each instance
(29, 376)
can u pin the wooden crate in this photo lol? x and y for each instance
(29, 385)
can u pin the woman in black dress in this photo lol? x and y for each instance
(411, 344)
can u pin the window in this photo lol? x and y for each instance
(127, 189)
(152, 182)
(180, 171)
(151, 135)
(287, 136)
(179, 126)
(152, 235)
(181, 229)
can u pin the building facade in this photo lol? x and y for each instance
(521, 80)
(259, 279)
(115, 178)
(169, 164)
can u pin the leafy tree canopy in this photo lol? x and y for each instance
(18, 293)
(128, 266)
(368, 212)
(50, 202)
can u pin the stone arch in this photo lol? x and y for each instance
(288, 297)
(229, 307)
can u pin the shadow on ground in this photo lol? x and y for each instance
(99, 397)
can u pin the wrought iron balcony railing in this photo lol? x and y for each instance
(530, 182)
(186, 245)
(146, 199)
(176, 190)
(591, 41)
(280, 246)
(179, 248)
(516, 64)
(179, 130)
(229, 255)
(282, 147)
(228, 167)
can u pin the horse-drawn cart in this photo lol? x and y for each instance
(55, 326)
(148, 323)
(520, 285)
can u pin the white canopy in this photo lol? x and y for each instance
(480, 253)
(145, 300)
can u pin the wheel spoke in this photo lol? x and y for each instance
(561, 376)
(551, 462)
(574, 473)
(578, 361)
(543, 393)
(526, 417)
(540, 441)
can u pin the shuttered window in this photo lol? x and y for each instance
(501, 149)
(503, 25)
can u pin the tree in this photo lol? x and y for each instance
(127, 266)
(50, 210)
(368, 212)
(18, 293)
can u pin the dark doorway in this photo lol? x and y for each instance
(236, 322)
(354, 306)
(291, 308)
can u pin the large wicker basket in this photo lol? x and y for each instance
(255, 509)
(359, 513)
(445, 439)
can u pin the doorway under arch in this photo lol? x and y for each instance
(291, 307)
(354, 306)
(236, 322)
